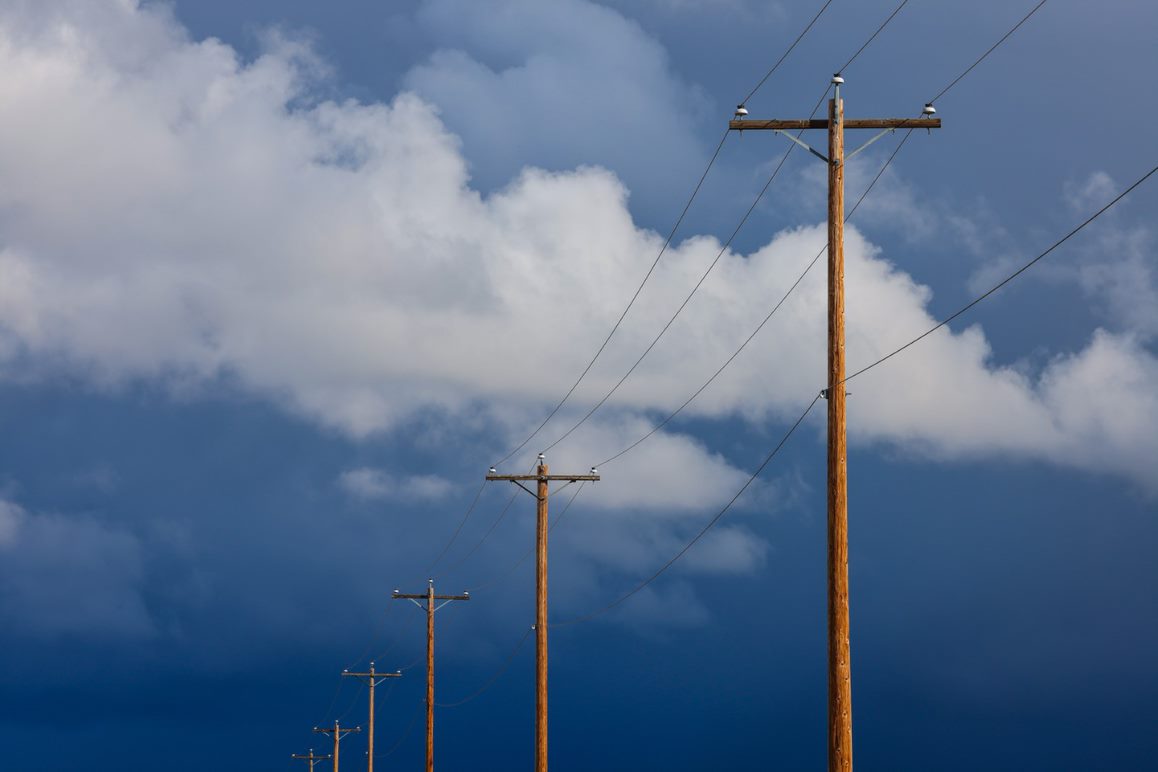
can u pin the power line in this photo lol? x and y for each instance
(784, 56)
(763, 322)
(1006, 280)
(667, 242)
(992, 48)
(941, 93)
(458, 530)
(479, 543)
(507, 572)
(723, 249)
(884, 24)
(630, 303)
(494, 678)
(711, 523)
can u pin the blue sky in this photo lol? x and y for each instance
(279, 280)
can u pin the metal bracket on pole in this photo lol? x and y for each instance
(804, 145)
(862, 147)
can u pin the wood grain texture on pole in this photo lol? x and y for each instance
(839, 670)
(541, 529)
(370, 727)
(430, 678)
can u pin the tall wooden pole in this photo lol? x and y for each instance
(370, 724)
(543, 478)
(337, 733)
(430, 599)
(839, 663)
(430, 677)
(542, 527)
(372, 678)
(311, 759)
(839, 667)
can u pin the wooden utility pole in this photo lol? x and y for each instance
(372, 679)
(338, 734)
(543, 478)
(839, 666)
(310, 758)
(430, 607)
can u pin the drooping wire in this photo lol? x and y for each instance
(724, 248)
(991, 49)
(509, 570)
(941, 93)
(493, 679)
(667, 242)
(405, 732)
(703, 277)
(763, 322)
(711, 523)
(457, 531)
(1004, 281)
(502, 514)
(784, 56)
(663, 249)
(884, 24)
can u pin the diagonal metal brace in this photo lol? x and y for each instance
(862, 147)
(803, 144)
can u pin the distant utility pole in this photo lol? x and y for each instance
(543, 478)
(311, 758)
(430, 607)
(372, 679)
(839, 671)
(337, 733)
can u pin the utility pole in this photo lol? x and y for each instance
(372, 679)
(311, 758)
(543, 478)
(839, 666)
(337, 733)
(430, 607)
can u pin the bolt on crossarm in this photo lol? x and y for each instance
(542, 478)
(839, 666)
(372, 679)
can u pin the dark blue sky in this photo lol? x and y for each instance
(279, 280)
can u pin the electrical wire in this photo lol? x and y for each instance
(496, 578)
(784, 56)
(1004, 281)
(763, 322)
(940, 94)
(667, 242)
(493, 679)
(479, 543)
(711, 523)
(884, 24)
(458, 530)
(992, 48)
(405, 732)
(723, 249)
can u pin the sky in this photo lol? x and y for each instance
(280, 280)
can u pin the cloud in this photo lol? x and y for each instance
(172, 213)
(559, 85)
(369, 484)
(69, 576)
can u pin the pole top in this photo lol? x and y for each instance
(837, 80)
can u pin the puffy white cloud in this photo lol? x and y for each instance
(368, 484)
(559, 85)
(172, 212)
